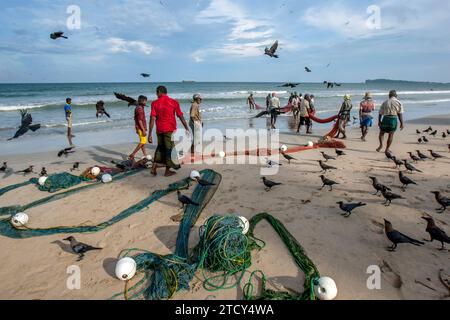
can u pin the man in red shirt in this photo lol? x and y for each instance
(140, 124)
(163, 114)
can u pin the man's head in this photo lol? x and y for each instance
(392, 94)
(161, 90)
(307, 97)
(68, 101)
(197, 98)
(142, 100)
(251, 95)
(274, 94)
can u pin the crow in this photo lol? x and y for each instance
(288, 157)
(326, 167)
(422, 156)
(443, 201)
(327, 157)
(414, 158)
(121, 96)
(390, 196)
(418, 132)
(184, 200)
(425, 140)
(327, 182)
(27, 171)
(378, 186)
(43, 172)
(430, 129)
(75, 166)
(4, 167)
(448, 131)
(145, 75)
(65, 152)
(389, 155)
(308, 69)
(405, 180)
(436, 233)
(349, 207)
(435, 155)
(272, 51)
(410, 167)
(26, 125)
(444, 135)
(397, 237)
(420, 140)
(57, 35)
(340, 153)
(80, 248)
(397, 162)
(270, 184)
(434, 133)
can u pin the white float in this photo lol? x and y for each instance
(325, 289)
(95, 171)
(310, 144)
(284, 148)
(195, 175)
(42, 181)
(125, 269)
(19, 220)
(245, 224)
(222, 154)
(107, 178)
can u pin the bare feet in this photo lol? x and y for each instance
(169, 173)
(379, 149)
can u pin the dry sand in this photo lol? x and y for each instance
(341, 248)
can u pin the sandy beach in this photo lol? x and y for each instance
(342, 248)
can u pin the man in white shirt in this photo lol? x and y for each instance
(387, 121)
(275, 106)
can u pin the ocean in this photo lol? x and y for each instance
(224, 106)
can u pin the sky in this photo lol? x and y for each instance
(224, 40)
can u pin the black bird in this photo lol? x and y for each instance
(185, 200)
(57, 35)
(145, 75)
(405, 180)
(271, 163)
(443, 201)
(434, 133)
(420, 140)
(43, 172)
(435, 155)
(418, 132)
(390, 196)
(378, 186)
(340, 153)
(397, 162)
(422, 156)
(288, 157)
(271, 52)
(425, 139)
(349, 207)
(327, 182)
(389, 155)
(26, 125)
(397, 237)
(326, 167)
(430, 129)
(308, 69)
(448, 131)
(65, 152)
(337, 84)
(27, 171)
(75, 166)
(4, 167)
(448, 147)
(444, 135)
(411, 168)
(327, 157)
(436, 233)
(205, 183)
(414, 158)
(80, 248)
(121, 96)
(290, 85)
(329, 84)
(270, 184)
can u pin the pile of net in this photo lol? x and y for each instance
(59, 181)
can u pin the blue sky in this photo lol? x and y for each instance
(223, 40)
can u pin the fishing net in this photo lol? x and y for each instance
(59, 181)
(13, 187)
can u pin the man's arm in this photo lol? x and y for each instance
(142, 128)
(150, 131)
(400, 117)
(183, 121)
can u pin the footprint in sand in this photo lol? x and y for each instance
(391, 276)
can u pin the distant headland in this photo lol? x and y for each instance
(389, 81)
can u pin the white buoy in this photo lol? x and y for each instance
(107, 178)
(19, 220)
(95, 171)
(148, 158)
(326, 289)
(310, 144)
(42, 181)
(284, 148)
(195, 175)
(245, 224)
(222, 154)
(125, 269)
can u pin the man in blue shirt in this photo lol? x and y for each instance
(68, 111)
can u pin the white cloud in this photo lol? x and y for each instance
(118, 45)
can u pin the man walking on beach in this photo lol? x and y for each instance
(344, 116)
(69, 119)
(305, 109)
(296, 105)
(140, 124)
(275, 106)
(387, 121)
(251, 102)
(195, 123)
(365, 114)
(163, 114)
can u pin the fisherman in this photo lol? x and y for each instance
(140, 124)
(251, 102)
(100, 106)
(296, 105)
(275, 106)
(344, 116)
(387, 121)
(366, 108)
(195, 123)
(305, 110)
(164, 110)
(69, 119)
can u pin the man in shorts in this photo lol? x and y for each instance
(140, 124)
(390, 111)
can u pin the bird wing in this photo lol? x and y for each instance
(439, 234)
(274, 47)
(123, 97)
